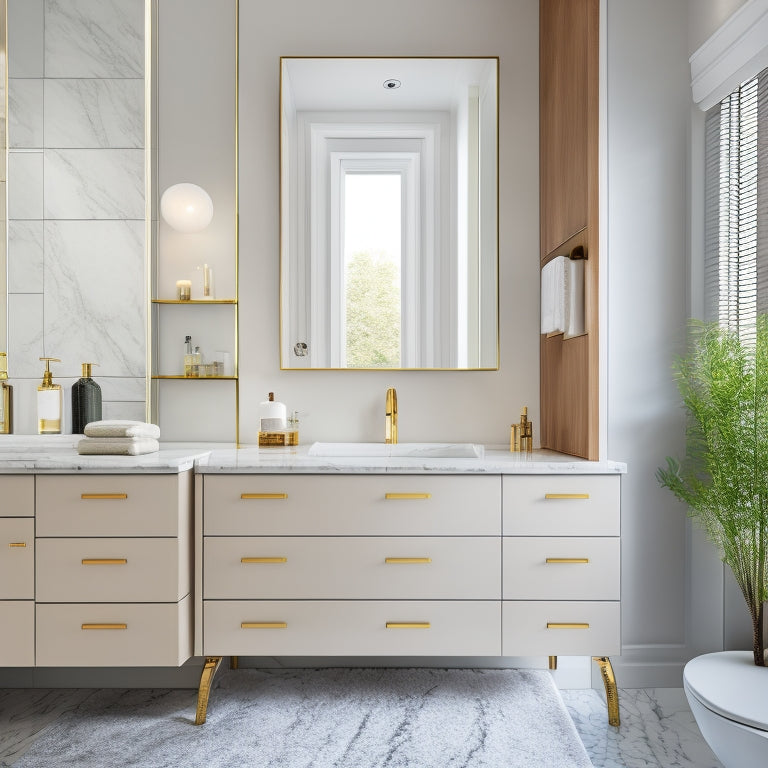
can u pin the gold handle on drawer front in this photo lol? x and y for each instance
(108, 496)
(104, 561)
(263, 559)
(264, 625)
(103, 626)
(408, 625)
(399, 560)
(17, 544)
(403, 496)
(566, 495)
(559, 560)
(247, 496)
(566, 625)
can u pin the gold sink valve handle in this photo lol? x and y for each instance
(521, 435)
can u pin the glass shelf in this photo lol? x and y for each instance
(194, 301)
(182, 377)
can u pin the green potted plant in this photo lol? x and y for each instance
(723, 477)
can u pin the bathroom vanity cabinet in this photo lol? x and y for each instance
(406, 564)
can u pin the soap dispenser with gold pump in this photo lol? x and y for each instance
(6, 398)
(49, 401)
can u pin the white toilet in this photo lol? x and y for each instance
(728, 696)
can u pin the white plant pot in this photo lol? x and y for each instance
(728, 696)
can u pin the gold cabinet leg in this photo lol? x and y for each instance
(234, 662)
(611, 692)
(553, 662)
(206, 678)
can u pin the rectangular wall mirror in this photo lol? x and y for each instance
(389, 213)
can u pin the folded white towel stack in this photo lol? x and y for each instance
(553, 295)
(121, 428)
(119, 438)
(574, 298)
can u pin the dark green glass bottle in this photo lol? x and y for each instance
(86, 401)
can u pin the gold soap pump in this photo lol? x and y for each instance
(49, 401)
(521, 435)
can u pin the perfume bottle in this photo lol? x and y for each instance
(86, 401)
(188, 357)
(6, 398)
(49, 401)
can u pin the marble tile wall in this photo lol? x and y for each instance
(76, 233)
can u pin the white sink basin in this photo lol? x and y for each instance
(415, 450)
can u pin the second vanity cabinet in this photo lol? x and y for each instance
(394, 565)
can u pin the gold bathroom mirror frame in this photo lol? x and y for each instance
(337, 120)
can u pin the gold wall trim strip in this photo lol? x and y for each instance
(408, 625)
(264, 625)
(263, 559)
(247, 496)
(17, 544)
(566, 495)
(401, 496)
(108, 496)
(558, 560)
(567, 625)
(104, 561)
(399, 560)
(103, 626)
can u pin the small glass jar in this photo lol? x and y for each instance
(183, 290)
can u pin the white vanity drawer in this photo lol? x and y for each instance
(561, 505)
(126, 635)
(565, 568)
(352, 628)
(17, 559)
(17, 494)
(17, 633)
(365, 505)
(114, 505)
(112, 570)
(353, 567)
(576, 628)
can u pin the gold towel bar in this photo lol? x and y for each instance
(401, 496)
(263, 496)
(566, 495)
(408, 625)
(399, 560)
(558, 560)
(91, 496)
(263, 559)
(104, 561)
(566, 625)
(103, 626)
(263, 625)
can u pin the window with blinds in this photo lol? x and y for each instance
(736, 217)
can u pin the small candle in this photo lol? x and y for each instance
(184, 290)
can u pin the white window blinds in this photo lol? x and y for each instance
(736, 218)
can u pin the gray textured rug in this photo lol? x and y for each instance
(327, 718)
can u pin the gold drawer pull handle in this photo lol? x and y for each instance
(263, 496)
(103, 626)
(91, 496)
(263, 559)
(399, 560)
(264, 625)
(559, 560)
(408, 625)
(401, 496)
(18, 544)
(104, 561)
(566, 625)
(566, 495)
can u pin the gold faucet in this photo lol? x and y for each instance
(390, 427)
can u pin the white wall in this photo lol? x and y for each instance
(705, 16)
(467, 406)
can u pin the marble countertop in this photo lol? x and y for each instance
(57, 454)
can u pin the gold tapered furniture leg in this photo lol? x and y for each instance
(234, 662)
(553, 662)
(206, 678)
(611, 692)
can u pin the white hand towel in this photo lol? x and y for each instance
(117, 446)
(574, 298)
(121, 428)
(553, 296)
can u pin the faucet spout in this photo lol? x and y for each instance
(390, 426)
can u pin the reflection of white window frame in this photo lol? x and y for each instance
(431, 331)
(406, 165)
